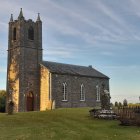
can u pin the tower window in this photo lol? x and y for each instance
(82, 94)
(14, 34)
(31, 33)
(65, 95)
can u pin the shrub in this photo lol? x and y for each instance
(10, 107)
(2, 100)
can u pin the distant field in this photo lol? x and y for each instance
(63, 124)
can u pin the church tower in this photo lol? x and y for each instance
(24, 57)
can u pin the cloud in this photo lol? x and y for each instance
(129, 98)
(116, 30)
(68, 17)
(58, 52)
(62, 50)
(102, 32)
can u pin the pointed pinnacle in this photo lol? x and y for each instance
(20, 17)
(38, 17)
(11, 18)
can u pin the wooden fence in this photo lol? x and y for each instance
(129, 115)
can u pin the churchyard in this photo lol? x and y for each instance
(63, 124)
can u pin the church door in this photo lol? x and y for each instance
(30, 101)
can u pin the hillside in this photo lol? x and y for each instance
(63, 124)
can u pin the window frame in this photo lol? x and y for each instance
(98, 93)
(65, 94)
(82, 93)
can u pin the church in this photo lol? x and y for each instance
(37, 85)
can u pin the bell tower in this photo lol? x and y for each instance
(24, 57)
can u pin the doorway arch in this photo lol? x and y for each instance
(30, 101)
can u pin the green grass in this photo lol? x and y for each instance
(63, 124)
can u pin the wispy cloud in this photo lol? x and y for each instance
(105, 33)
(115, 30)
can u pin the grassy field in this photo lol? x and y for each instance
(63, 124)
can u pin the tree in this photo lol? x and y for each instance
(125, 102)
(116, 104)
(2, 100)
(119, 105)
(111, 105)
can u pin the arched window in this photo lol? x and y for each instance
(14, 34)
(65, 95)
(97, 93)
(82, 93)
(31, 33)
(30, 94)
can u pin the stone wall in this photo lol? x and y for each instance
(13, 77)
(24, 57)
(24, 74)
(45, 89)
(73, 90)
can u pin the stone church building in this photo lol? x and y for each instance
(34, 84)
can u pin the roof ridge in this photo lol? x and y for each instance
(68, 64)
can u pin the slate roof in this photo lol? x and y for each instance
(61, 68)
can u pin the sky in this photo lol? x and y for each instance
(101, 33)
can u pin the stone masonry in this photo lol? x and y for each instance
(34, 84)
(24, 57)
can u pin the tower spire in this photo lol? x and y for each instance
(20, 17)
(38, 17)
(11, 18)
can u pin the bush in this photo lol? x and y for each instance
(2, 100)
(10, 107)
(125, 102)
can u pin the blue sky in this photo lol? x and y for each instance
(101, 33)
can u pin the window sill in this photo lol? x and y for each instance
(82, 100)
(98, 100)
(64, 100)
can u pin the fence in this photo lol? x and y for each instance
(129, 115)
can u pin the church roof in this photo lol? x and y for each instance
(61, 68)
